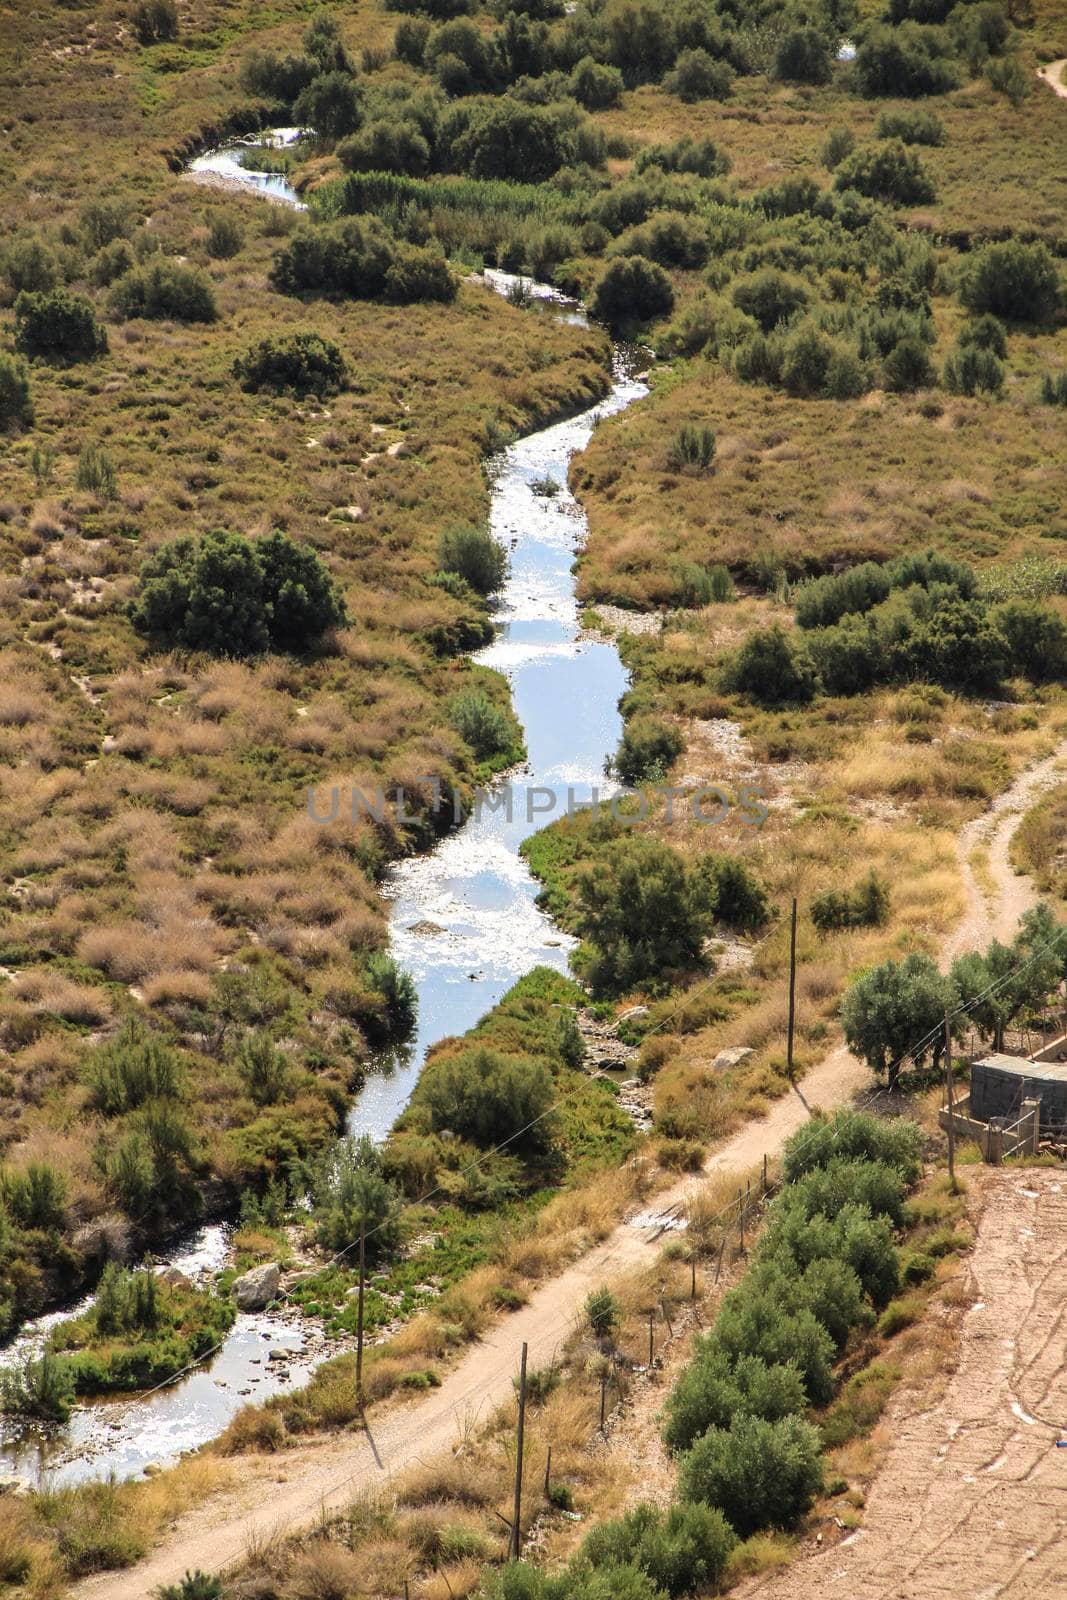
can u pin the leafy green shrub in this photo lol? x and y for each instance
(908, 367)
(646, 750)
(684, 1550)
(712, 1390)
(1009, 77)
(596, 86)
(888, 171)
(865, 906)
(907, 61)
(263, 1068)
(485, 725)
(853, 1236)
(135, 1066)
(984, 333)
(305, 363)
(35, 1198)
(1036, 638)
(1015, 281)
(29, 264)
(644, 911)
(698, 76)
(917, 1267)
(803, 56)
(398, 991)
(95, 471)
(490, 1099)
(773, 668)
(386, 146)
(331, 105)
(752, 1322)
(842, 1182)
(194, 1586)
(225, 237)
(839, 143)
(57, 326)
(826, 600)
(603, 1314)
(632, 290)
(692, 447)
(41, 1389)
(235, 596)
(702, 586)
(759, 1474)
(349, 1190)
(911, 126)
(473, 553)
(669, 237)
(278, 78)
(888, 1008)
(164, 289)
(699, 156)
(506, 139)
(972, 371)
(1054, 389)
(418, 273)
(16, 403)
(770, 297)
(155, 21)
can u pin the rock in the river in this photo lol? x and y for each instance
(256, 1289)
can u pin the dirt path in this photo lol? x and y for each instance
(283, 1493)
(997, 916)
(972, 1498)
(1053, 75)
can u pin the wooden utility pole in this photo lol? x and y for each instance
(515, 1548)
(792, 991)
(741, 1217)
(548, 1472)
(359, 1310)
(949, 1102)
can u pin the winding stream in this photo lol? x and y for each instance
(463, 919)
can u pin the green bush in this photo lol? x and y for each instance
(770, 297)
(839, 143)
(57, 326)
(331, 105)
(263, 1068)
(225, 236)
(759, 1474)
(1054, 389)
(1018, 282)
(698, 76)
(888, 171)
(419, 273)
(754, 1323)
(669, 237)
(682, 1550)
(803, 56)
(643, 912)
(473, 553)
(842, 1182)
(490, 1099)
(349, 1190)
(865, 906)
(907, 61)
(506, 139)
(234, 596)
(135, 1066)
(35, 1198)
(603, 1314)
(164, 289)
(398, 991)
(889, 1008)
(632, 290)
(595, 86)
(1036, 638)
(304, 363)
(692, 447)
(646, 750)
(712, 1390)
(701, 586)
(772, 668)
(40, 1390)
(972, 371)
(155, 21)
(16, 402)
(859, 589)
(386, 146)
(853, 1236)
(29, 264)
(194, 1586)
(699, 156)
(910, 127)
(482, 723)
(95, 471)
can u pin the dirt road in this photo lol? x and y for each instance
(286, 1492)
(971, 1502)
(1053, 75)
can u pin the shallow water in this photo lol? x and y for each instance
(225, 162)
(474, 890)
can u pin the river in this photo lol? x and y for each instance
(463, 918)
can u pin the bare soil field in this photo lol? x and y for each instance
(972, 1498)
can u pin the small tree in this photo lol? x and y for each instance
(887, 171)
(698, 76)
(155, 21)
(331, 105)
(1036, 638)
(263, 1068)
(803, 56)
(491, 1099)
(603, 1314)
(632, 290)
(971, 370)
(773, 668)
(595, 86)
(41, 1389)
(225, 236)
(304, 363)
(1019, 282)
(896, 1011)
(475, 555)
(57, 326)
(164, 289)
(349, 1190)
(482, 723)
(16, 403)
(646, 750)
(759, 1474)
(769, 296)
(643, 912)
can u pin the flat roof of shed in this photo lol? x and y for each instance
(1020, 1067)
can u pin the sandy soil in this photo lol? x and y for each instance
(1053, 75)
(286, 1492)
(971, 1502)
